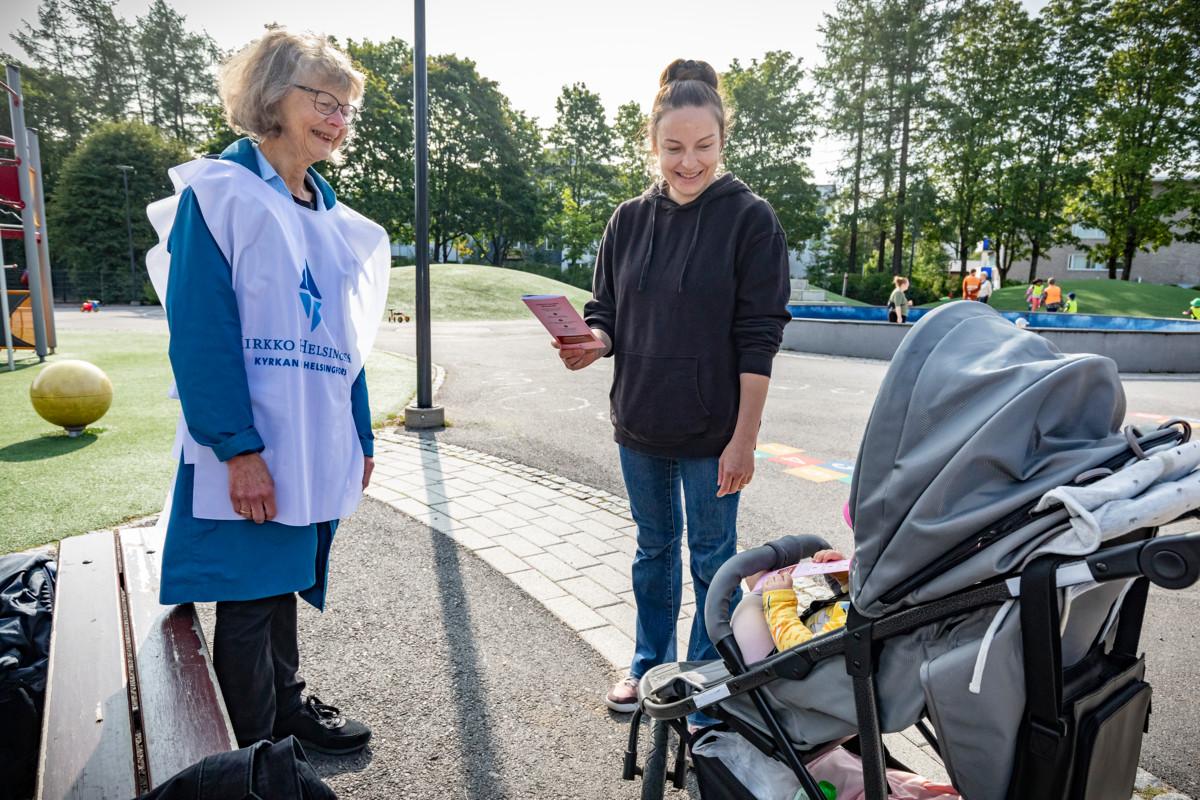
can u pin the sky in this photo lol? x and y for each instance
(532, 48)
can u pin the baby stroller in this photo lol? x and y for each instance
(1005, 531)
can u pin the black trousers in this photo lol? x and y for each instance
(256, 655)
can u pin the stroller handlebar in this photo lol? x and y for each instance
(1172, 562)
(773, 555)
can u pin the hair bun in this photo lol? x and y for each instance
(682, 69)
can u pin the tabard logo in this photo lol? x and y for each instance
(310, 297)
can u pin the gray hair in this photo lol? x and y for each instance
(256, 78)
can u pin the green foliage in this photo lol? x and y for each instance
(633, 153)
(217, 135)
(978, 101)
(108, 65)
(376, 177)
(177, 66)
(582, 147)
(578, 228)
(1147, 125)
(773, 126)
(87, 212)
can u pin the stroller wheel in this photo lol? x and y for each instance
(664, 739)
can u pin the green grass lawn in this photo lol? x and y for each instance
(466, 291)
(1111, 298)
(834, 297)
(54, 486)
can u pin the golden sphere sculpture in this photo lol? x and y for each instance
(72, 394)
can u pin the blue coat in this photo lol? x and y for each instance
(208, 560)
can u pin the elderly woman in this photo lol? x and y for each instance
(273, 295)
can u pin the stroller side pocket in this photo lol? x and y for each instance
(1110, 724)
(977, 731)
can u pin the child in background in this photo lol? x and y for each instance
(1193, 310)
(1033, 295)
(1072, 303)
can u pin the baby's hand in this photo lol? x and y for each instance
(823, 556)
(780, 580)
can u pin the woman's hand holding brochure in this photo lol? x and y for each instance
(577, 345)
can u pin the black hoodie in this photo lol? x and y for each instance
(692, 296)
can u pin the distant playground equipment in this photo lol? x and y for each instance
(26, 314)
(71, 394)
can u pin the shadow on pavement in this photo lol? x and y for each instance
(480, 771)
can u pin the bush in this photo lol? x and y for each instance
(87, 210)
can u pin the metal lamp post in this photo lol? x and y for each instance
(133, 294)
(424, 415)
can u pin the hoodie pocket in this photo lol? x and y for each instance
(656, 399)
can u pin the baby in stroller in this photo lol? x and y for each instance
(783, 609)
(1005, 531)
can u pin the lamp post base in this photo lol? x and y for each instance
(424, 419)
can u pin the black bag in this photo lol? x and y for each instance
(262, 771)
(26, 610)
(1081, 737)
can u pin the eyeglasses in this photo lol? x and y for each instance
(327, 104)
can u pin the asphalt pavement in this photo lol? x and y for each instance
(506, 393)
(472, 689)
(475, 690)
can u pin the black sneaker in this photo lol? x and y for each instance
(322, 728)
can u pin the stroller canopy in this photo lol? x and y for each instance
(976, 419)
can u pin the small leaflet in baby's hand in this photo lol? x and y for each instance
(806, 568)
(563, 322)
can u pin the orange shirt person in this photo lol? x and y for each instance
(1053, 296)
(970, 286)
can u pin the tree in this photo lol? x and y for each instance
(1146, 130)
(774, 119)
(633, 153)
(54, 92)
(847, 44)
(465, 111)
(978, 99)
(1057, 95)
(577, 227)
(914, 30)
(513, 208)
(376, 177)
(582, 145)
(87, 209)
(107, 61)
(177, 67)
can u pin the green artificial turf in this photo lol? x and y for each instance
(52, 486)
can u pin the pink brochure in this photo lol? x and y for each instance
(562, 321)
(806, 568)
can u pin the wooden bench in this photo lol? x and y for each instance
(131, 696)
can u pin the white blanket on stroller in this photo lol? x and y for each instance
(1154, 491)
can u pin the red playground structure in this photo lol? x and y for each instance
(26, 309)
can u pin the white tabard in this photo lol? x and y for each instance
(311, 287)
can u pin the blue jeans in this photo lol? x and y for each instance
(654, 485)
